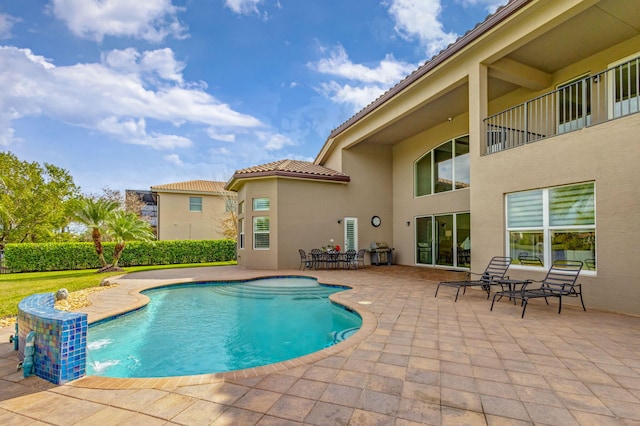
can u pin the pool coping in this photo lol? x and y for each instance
(139, 300)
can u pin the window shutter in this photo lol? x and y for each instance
(524, 209)
(350, 234)
(572, 205)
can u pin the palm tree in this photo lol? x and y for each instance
(93, 213)
(126, 226)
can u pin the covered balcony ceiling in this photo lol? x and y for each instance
(603, 25)
(532, 62)
(451, 104)
(553, 48)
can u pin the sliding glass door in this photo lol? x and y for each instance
(443, 240)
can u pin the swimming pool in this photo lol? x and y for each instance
(201, 328)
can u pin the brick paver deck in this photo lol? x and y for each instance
(417, 360)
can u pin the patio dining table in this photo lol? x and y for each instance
(333, 260)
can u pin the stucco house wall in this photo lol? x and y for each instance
(177, 222)
(525, 50)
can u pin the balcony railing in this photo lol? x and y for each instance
(608, 95)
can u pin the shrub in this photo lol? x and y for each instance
(67, 256)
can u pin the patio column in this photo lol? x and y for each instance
(478, 107)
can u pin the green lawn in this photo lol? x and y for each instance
(15, 287)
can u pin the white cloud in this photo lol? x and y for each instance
(224, 137)
(117, 96)
(365, 83)
(135, 132)
(490, 5)
(274, 141)
(156, 65)
(6, 24)
(150, 20)
(357, 97)
(173, 159)
(388, 72)
(243, 7)
(420, 19)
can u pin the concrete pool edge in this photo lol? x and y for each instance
(132, 299)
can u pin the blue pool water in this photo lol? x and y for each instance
(216, 327)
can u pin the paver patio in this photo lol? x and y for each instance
(417, 360)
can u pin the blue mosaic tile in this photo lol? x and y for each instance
(61, 338)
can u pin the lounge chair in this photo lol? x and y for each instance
(528, 260)
(560, 281)
(495, 271)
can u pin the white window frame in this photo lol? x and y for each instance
(193, 204)
(350, 241)
(261, 232)
(454, 155)
(261, 204)
(241, 233)
(547, 229)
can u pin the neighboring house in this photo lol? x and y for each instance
(520, 137)
(147, 204)
(193, 210)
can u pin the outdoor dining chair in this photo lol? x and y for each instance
(360, 258)
(305, 262)
(317, 259)
(495, 271)
(349, 259)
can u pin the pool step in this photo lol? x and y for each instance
(262, 292)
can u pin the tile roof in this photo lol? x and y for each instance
(290, 168)
(200, 186)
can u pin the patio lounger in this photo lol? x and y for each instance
(528, 260)
(496, 269)
(560, 281)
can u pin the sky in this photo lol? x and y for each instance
(128, 94)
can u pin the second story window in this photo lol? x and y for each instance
(444, 168)
(261, 204)
(195, 204)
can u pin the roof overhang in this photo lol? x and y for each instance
(238, 179)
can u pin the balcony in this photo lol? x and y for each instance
(584, 102)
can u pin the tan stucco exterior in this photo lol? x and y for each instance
(522, 52)
(177, 222)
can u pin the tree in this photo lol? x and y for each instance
(126, 226)
(93, 213)
(228, 225)
(34, 200)
(4, 213)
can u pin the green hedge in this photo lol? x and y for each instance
(66, 256)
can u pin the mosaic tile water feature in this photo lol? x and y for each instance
(60, 342)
